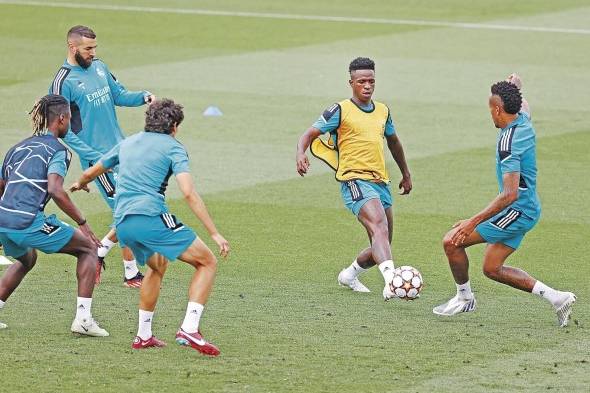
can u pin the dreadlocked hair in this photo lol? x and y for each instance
(45, 111)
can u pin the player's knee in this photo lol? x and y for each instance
(448, 245)
(211, 262)
(87, 247)
(491, 271)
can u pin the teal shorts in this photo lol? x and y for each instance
(507, 227)
(51, 238)
(147, 235)
(106, 185)
(355, 193)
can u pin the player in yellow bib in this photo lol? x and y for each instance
(356, 128)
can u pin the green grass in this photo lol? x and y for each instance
(276, 312)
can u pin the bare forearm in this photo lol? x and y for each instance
(197, 206)
(524, 107)
(306, 139)
(397, 152)
(63, 201)
(92, 173)
(502, 201)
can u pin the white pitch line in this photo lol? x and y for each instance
(407, 22)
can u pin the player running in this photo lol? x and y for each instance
(33, 173)
(505, 221)
(146, 161)
(93, 92)
(357, 127)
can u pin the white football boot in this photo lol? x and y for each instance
(455, 306)
(352, 283)
(88, 327)
(388, 294)
(564, 310)
(3, 325)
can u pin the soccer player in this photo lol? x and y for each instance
(514, 211)
(33, 173)
(357, 127)
(93, 92)
(147, 160)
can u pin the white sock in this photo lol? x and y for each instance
(2, 304)
(131, 269)
(387, 268)
(354, 270)
(551, 295)
(192, 317)
(464, 291)
(107, 244)
(83, 308)
(144, 330)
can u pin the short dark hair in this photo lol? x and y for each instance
(510, 96)
(162, 115)
(361, 63)
(81, 31)
(46, 110)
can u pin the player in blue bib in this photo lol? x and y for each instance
(93, 92)
(505, 221)
(146, 161)
(32, 174)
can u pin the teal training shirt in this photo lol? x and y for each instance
(93, 93)
(57, 165)
(146, 161)
(330, 119)
(516, 152)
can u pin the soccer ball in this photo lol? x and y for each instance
(407, 283)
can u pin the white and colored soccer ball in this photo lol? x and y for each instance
(407, 283)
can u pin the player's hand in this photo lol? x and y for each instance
(302, 164)
(515, 80)
(150, 99)
(463, 229)
(405, 185)
(77, 187)
(85, 228)
(222, 243)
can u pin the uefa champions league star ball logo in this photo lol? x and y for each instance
(100, 72)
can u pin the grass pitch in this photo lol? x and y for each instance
(277, 314)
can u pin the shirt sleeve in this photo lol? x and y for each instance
(329, 120)
(512, 148)
(122, 96)
(179, 159)
(111, 159)
(71, 139)
(389, 127)
(57, 164)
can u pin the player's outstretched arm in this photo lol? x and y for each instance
(397, 152)
(87, 176)
(515, 79)
(62, 200)
(196, 204)
(508, 195)
(304, 141)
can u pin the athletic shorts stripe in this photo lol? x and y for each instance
(355, 191)
(106, 184)
(505, 221)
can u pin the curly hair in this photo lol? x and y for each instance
(509, 94)
(361, 63)
(162, 115)
(46, 110)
